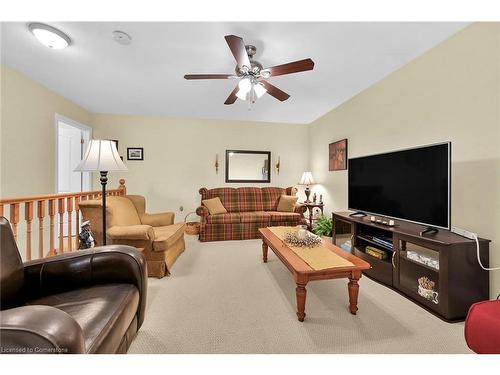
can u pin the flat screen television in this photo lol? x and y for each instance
(411, 185)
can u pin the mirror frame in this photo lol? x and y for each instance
(268, 153)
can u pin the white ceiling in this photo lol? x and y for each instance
(146, 77)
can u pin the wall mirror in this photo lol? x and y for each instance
(248, 166)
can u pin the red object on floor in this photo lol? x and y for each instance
(482, 327)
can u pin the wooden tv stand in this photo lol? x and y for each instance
(459, 280)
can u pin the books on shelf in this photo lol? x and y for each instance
(374, 252)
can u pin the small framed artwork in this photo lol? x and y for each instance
(337, 158)
(135, 153)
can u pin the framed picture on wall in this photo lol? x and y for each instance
(135, 153)
(337, 157)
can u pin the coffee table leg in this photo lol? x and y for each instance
(301, 292)
(353, 288)
(264, 251)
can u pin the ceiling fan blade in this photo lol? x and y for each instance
(274, 91)
(292, 67)
(232, 97)
(238, 50)
(208, 76)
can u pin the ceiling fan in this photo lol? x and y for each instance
(251, 74)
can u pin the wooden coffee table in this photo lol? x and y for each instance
(303, 273)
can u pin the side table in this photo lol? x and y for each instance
(310, 207)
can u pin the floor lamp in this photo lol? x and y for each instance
(101, 156)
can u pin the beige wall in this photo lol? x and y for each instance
(451, 93)
(179, 155)
(28, 134)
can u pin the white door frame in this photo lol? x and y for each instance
(59, 117)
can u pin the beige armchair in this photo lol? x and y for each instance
(127, 223)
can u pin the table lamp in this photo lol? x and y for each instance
(101, 156)
(307, 179)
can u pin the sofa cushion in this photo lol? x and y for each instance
(229, 218)
(166, 236)
(104, 312)
(214, 206)
(284, 217)
(256, 217)
(271, 197)
(287, 203)
(228, 197)
(250, 199)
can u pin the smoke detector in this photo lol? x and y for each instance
(121, 37)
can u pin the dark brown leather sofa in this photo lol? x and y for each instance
(89, 301)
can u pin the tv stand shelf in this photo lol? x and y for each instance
(458, 282)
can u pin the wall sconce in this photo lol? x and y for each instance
(216, 163)
(277, 166)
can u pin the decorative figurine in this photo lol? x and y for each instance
(314, 198)
(321, 199)
(86, 237)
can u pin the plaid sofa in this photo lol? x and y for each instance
(248, 209)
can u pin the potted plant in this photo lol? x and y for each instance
(324, 228)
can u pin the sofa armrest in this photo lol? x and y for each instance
(202, 211)
(158, 220)
(300, 209)
(100, 265)
(39, 330)
(131, 232)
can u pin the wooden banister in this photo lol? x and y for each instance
(64, 204)
(41, 214)
(28, 216)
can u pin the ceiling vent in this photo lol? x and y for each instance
(122, 37)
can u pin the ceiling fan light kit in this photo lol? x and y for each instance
(252, 76)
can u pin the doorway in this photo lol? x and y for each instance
(72, 139)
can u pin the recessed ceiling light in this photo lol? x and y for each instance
(49, 36)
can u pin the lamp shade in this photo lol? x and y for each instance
(307, 179)
(101, 155)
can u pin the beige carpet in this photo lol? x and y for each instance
(221, 298)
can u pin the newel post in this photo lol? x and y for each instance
(122, 187)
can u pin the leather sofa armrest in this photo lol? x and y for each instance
(84, 268)
(202, 211)
(131, 232)
(39, 329)
(158, 220)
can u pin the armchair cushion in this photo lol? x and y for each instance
(45, 328)
(165, 237)
(158, 220)
(131, 232)
(121, 212)
(103, 312)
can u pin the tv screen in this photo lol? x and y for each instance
(412, 185)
